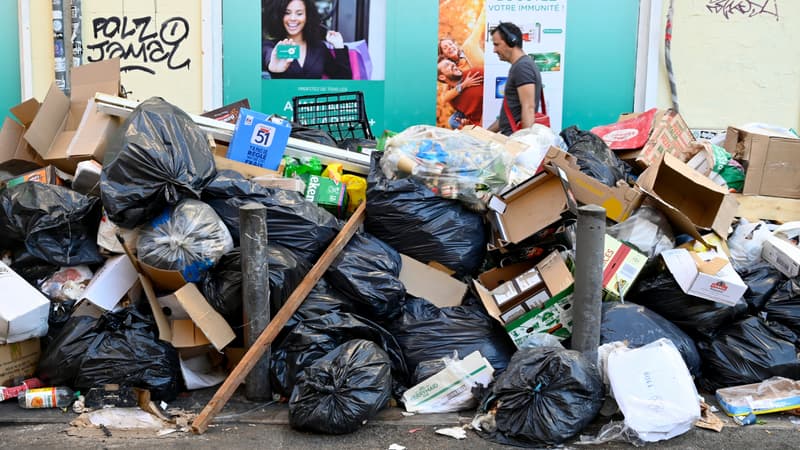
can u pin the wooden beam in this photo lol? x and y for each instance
(779, 209)
(261, 344)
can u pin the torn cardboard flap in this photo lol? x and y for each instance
(711, 266)
(189, 299)
(428, 282)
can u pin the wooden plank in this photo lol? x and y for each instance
(261, 344)
(755, 207)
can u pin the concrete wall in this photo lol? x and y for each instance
(736, 69)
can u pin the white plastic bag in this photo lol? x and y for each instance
(746, 242)
(654, 390)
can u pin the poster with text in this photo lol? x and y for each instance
(323, 40)
(543, 25)
(470, 76)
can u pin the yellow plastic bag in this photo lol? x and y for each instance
(356, 190)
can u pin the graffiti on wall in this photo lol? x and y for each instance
(747, 8)
(140, 43)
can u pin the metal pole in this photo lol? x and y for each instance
(588, 297)
(255, 294)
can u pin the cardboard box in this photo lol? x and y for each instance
(430, 283)
(185, 319)
(23, 311)
(619, 201)
(781, 251)
(110, 284)
(668, 133)
(16, 156)
(772, 162)
(450, 389)
(259, 139)
(621, 266)
(18, 360)
(557, 279)
(769, 396)
(46, 175)
(228, 113)
(527, 208)
(688, 199)
(328, 194)
(68, 130)
(706, 275)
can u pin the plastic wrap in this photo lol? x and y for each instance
(414, 221)
(426, 331)
(339, 392)
(749, 351)
(638, 326)
(56, 224)
(313, 338)
(190, 238)
(595, 158)
(545, 396)
(367, 271)
(538, 139)
(452, 164)
(158, 157)
(67, 284)
(696, 316)
(745, 244)
(292, 221)
(647, 229)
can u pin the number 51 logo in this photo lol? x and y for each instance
(262, 135)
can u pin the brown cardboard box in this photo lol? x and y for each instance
(619, 201)
(191, 320)
(66, 130)
(18, 360)
(772, 162)
(527, 208)
(669, 134)
(689, 199)
(424, 281)
(16, 156)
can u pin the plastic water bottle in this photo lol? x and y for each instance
(49, 397)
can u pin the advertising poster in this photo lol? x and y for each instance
(323, 40)
(469, 73)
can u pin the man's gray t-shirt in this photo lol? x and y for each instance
(522, 72)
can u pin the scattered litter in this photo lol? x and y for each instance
(396, 447)
(406, 413)
(453, 432)
(414, 430)
(795, 420)
(708, 420)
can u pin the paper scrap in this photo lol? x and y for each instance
(453, 432)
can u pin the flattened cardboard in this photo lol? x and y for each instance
(16, 156)
(189, 301)
(689, 199)
(57, 131)
(772, 162)
(18, 360)
(424, 281)
(24, 310)
(619, 201)
(528, 208)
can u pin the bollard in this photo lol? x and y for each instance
(588, 296)
(255, 294)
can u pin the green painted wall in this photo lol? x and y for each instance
(599, 70)
(9, 54)
(600, 66)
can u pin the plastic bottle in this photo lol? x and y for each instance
(7, 393)
(49, 397)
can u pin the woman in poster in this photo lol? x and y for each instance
(295, 29)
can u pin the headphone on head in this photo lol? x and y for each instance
(510, 38)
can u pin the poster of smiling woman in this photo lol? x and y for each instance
(313, 39)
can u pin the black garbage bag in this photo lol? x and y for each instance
(292, 221)
(413, 220)
(338, 393)
(749, 351)
(189, 237)
(322, 299)
(56, 224)
(60, 313)
(427, 369)
(594, 157)
(426, 332)
(313, 338)
(696, 316)
(784, 305)
(31, 268)
(128, 352)
(545, 396)
(311, 134)
(222, 285)
(158, 157)
(61, 359)
(639, 326)
(367, 271)
(762, 283)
